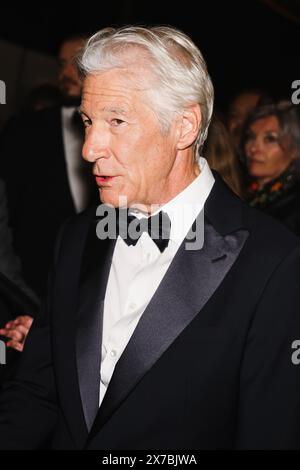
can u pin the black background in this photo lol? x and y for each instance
(245, 43)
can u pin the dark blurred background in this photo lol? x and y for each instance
(249, 43)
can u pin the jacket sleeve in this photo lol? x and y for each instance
(269, 402)
(28, 402)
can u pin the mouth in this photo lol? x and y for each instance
(103, 179)
(254, 160)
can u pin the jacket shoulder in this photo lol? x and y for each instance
(73, 232)
(268, 238)
(269, 232)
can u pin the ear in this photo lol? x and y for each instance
(189, 126)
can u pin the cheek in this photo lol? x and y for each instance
(278, 159)
(141, 155)
(157, 162)
(257, 170)
(275, 162)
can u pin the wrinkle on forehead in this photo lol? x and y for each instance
(118, 80)
(102, 101)
(109, 91)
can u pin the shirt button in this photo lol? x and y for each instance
(113, 353)
(132, 306)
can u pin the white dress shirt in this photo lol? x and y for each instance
(136, 272)
(74, 163)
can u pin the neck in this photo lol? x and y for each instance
(265, 180)
(171, 188)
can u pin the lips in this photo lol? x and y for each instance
(254, 160)
(103, 179)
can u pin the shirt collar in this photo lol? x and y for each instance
(68, 111)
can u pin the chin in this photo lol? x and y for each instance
(109, 202)
(258, 176)
(255, 173)
(114, 200)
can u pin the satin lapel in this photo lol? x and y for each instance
(190, 281)
(93, 280)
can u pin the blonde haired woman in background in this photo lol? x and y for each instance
(219, 152)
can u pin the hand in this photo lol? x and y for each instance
(17, 330)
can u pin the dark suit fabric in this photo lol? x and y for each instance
(10, 264)
(208, 366)
(287, 209)
(33, 165)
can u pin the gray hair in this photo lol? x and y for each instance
(177, 65)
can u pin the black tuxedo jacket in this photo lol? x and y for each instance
(33, 165)
(209, 365)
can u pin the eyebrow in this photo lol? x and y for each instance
(270, 131)
(114, 110)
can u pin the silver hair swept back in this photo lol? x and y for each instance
(178, 67)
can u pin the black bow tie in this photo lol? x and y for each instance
(157, 226)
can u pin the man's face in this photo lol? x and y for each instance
(131, 156)
(69, 82)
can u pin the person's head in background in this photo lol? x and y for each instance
(240, 107)
(219, 152)
(271, 141)
(68, 78)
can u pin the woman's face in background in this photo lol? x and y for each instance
(266, 157)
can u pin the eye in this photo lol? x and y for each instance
(87, 122)
(117, 122)
(271, 138)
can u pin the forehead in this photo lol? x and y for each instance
(266, 124)
(112, 88)
(70, 48)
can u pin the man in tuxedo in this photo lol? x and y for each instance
(46, 178)
(177, 337)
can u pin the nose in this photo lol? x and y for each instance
(252, 147)
(96, 145)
